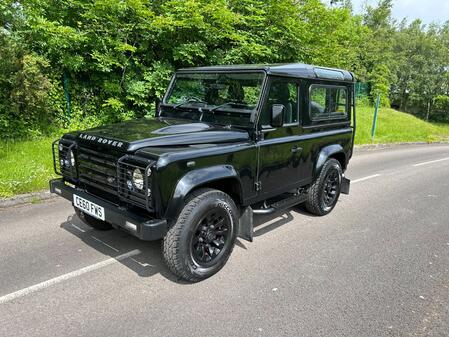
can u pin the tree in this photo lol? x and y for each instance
(110, 59)
(377, 52)
(421, 73)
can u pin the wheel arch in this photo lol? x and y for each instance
(220, 177)
(334, 151)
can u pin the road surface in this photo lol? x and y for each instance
(377, 266)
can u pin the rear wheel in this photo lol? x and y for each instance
(92, 222)
(200, 242)
(323, 195)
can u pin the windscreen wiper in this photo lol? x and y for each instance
(222, 106)
(176, 106)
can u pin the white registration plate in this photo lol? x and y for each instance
(88, 207)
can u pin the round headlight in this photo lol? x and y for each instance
(71, 158)
(138, 179)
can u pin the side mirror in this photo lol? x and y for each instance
(277, 115)
(157, 103)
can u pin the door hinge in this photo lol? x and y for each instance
(258, 185)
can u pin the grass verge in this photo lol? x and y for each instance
(27, 166)
(397, 127)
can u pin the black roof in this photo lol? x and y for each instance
(293, 69)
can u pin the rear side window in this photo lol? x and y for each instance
(328, 102)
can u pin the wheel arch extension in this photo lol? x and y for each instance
(220, 177)
(334, 151)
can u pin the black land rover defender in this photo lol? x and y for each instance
(227, 142)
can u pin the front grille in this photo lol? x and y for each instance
(97, 169)
(126, 189)
(106, 174)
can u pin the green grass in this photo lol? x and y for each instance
(397, 127)
(27, 166)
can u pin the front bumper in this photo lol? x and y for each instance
(144, 228)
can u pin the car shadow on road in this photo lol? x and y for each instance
(264, 224)
(267, 223)
(149, 261)
(113, 243)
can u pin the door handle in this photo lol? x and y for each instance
(295, 149)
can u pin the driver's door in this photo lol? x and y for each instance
(280, 149)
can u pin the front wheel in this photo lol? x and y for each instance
(323, 195)
(200, 242)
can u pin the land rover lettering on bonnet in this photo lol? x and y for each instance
(101, 140)
(227, 143)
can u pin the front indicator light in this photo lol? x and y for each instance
(71, 158)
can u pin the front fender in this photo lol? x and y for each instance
(325, 154)
(194, 179)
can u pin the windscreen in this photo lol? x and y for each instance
(223, 98)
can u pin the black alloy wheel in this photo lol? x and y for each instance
(331, 187)
(201, 240)
(323, 194)
(211, 237)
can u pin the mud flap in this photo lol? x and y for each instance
(345, 185)
(246, 225)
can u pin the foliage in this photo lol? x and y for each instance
(440, 112)
(377, 53)
(28, 99)
(422, 70)
(80, 63)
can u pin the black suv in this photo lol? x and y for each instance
(227, 142)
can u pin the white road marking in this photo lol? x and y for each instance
(430, 162)
(104, 243)
(26, 291)
(78, 228)
(365, 178)
(142, 264)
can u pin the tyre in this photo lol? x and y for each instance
(92, 222)
(323, 195)
(199, 244)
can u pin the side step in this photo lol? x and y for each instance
(282, 204)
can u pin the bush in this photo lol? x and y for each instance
(440, 111)
(29, 99)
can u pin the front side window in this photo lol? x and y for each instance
(285, 92)
(222, 97)
(328, 102)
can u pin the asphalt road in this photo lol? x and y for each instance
(377, 266)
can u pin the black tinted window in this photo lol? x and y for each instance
(285, 92)
(328, 102)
